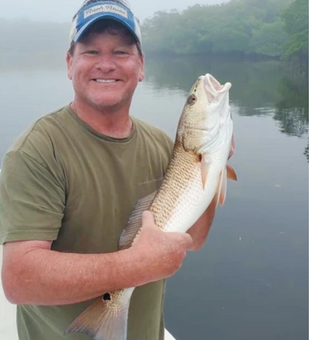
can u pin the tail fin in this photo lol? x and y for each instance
(104, 319)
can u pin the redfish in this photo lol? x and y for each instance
(196, 175)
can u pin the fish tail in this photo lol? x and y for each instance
(104, 319)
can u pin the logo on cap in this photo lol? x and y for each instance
(106, 8)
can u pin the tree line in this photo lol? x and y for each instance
(272, 28)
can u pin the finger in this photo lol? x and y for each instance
(188, 241)
(184, 239)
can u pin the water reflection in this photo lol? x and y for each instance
(259, 88)
(293, 108)
(306, 153)
(251, 279)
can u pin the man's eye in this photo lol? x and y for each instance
(91, 52)
(121, 52)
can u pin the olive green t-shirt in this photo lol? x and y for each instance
(63, 181)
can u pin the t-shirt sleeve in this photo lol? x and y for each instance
(170, 143)
(32, 201)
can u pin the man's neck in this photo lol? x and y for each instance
(112, 123)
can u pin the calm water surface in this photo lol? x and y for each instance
(250, 281)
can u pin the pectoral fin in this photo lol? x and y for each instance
(231, 174)
(204, 166)
(222, 188)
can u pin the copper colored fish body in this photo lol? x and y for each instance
(197, 174)
(198, 168)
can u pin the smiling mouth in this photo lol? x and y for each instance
(106, 81)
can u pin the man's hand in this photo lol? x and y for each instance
(34, 274)
(160, 253)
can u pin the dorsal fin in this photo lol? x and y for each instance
(134, 223)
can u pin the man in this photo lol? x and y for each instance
(70, 182)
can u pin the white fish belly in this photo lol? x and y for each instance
(194, 200)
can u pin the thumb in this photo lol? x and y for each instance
(147, 218)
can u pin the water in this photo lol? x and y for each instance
(250, 281)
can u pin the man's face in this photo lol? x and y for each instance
(105, 70)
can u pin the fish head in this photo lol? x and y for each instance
(205, 112)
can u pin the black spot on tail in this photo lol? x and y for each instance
(106, 297)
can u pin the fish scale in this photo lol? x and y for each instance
(173, 200)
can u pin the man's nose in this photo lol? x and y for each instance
(106, 63)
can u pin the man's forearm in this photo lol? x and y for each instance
(46, 277)
(34, 274)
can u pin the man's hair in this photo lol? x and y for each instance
(111, 26)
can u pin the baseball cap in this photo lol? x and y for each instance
(99, 10)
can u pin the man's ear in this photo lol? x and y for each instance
(142, 73)
(69, 65)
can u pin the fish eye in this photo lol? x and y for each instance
(192, 99)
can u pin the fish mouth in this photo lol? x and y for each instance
(213, 87)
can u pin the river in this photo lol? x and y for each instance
(250, 281)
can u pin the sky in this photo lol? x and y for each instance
(63, 10)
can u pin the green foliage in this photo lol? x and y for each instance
(239, 27)
(269, 39)
(296, 21)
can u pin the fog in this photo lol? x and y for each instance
(35, 34)
(62, 11)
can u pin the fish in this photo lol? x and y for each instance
(195, 177)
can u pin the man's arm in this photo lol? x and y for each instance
(32, 273)
(200, 230)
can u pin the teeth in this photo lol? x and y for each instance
(106, 80)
